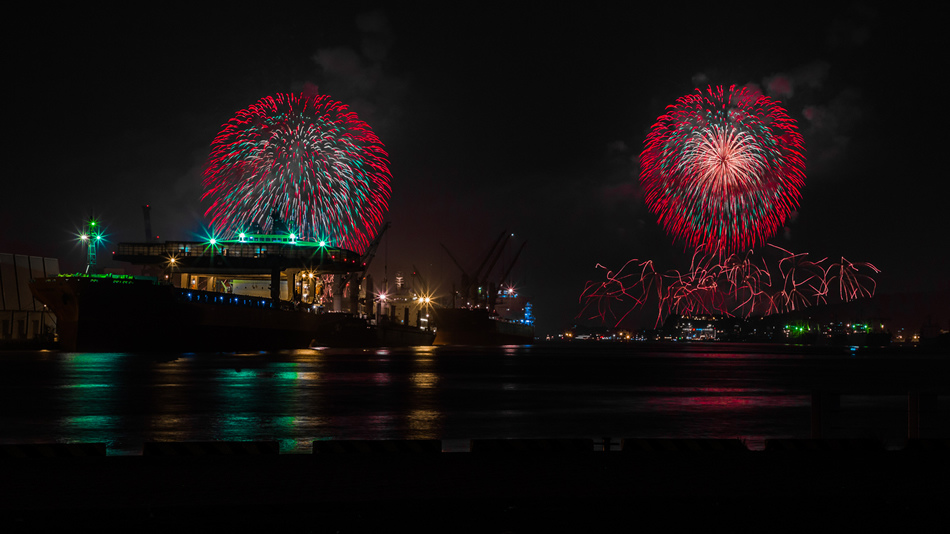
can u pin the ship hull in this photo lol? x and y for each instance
(398, 335)
(457, 326)
(126, 314)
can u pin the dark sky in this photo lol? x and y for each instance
(495, 119)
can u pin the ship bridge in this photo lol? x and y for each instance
(239, 257)
(216, 265)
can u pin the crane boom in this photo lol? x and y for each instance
(477, 273)
(370, 252)
(492, 298)
(455, 261)
(495, 257)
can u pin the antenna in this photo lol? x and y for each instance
(146, 212)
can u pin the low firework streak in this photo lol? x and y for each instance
(738, 285)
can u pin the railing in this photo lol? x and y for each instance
(184, 249)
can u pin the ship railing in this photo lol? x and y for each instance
(178, 249)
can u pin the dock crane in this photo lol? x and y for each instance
(465, 278)
(479, 278)
(494, 294)
(366, 259)
(370, 252)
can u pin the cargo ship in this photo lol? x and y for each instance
(464, 326)
(241, 294)
(480, 314)
(125, 313)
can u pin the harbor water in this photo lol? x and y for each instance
(569, 390)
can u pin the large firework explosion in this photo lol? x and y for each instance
(321, 167)
(722, 169)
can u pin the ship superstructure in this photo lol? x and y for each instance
(254, 291)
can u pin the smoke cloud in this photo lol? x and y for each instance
(362, 78)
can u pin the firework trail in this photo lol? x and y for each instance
(722, 169)
(738, 285)
(802, 280)
(308, 157)
(852, 284)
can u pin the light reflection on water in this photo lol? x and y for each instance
(296, 397)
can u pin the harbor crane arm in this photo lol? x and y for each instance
(370, 253)
(455, 261)
(513, 262)
(466, 280)
(493, 297)
(495, 257)
(418, 274)
(491, 251)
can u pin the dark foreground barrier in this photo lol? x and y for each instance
(52, 450)
(844, 445)
(942, 445)
(532, 445)
(501, 446)
(210, 448)
(681, 445)
(370, 446)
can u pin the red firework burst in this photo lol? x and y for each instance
(309, 157)
(723, 169)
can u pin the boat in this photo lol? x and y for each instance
(400, 335)
(243, 294)
(119, 313)
(476, 326)
(126, 313)
(480, 314)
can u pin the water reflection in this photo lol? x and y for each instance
(296, 397)
(424, 424)
(425, 417)
(90, 397)
(425, 380)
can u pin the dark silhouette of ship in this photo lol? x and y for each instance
(172, 311)
(474, 317)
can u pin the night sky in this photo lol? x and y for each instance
(529, 121)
